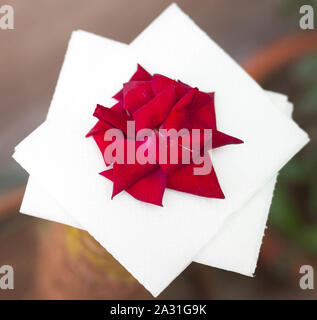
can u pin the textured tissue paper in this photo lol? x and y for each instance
(155, 244)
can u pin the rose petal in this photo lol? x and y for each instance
(173, 150)
(150, 189)
(107, 174)
(178, 118)
(202, 111)
(129, 172)
(184, 147)
(184, 180)
(125, 175)
(136, 94)
(160, 83)
(154, 112)
(100, 127)
(220, 139)
(118, 107)
(112, 117)
(140, 75)
(102, 145)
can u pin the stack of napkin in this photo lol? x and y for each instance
(156, 244)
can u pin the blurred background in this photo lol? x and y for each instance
(52, 261)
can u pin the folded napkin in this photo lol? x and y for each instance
(235, 247)
(155, 244)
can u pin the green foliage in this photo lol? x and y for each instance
(305, 72)
(294, 206)
(284, 212)
(291, 7)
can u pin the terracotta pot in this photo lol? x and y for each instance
(280, 53)
(72, 265)
(10, 202)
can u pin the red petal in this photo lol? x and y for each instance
(172, 146)
(150, 189)
(160, 83)
(140, 75)
(178, 118)
(184, 180)
(197, 144)
(119, 95)
(100, 127)
(202, 111)
(125, 175)
(185, 86)
(154, 112)
(118, 107)
(220, 139)
(112, 117)
(136, 94)
(102, 144)
(107, 174)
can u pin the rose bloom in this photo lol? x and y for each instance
(167, 108)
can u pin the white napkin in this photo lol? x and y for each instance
(235, 247)
(155, 244)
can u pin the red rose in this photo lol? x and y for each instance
(157, 102)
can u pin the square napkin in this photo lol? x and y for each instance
(155, 244)
(235, 247)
